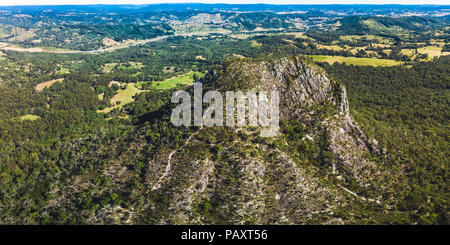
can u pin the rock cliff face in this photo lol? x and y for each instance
(246, 179)
(317, 170)
(302, 87)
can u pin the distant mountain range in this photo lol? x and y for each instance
(353, 8)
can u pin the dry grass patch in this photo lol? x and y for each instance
(255, 44)
(108, 67)
(238, 56)
(38, 50)
(20, 34)
(329, 47)
(109, 42)
(41, 86)
(432, 51)
(354, 60)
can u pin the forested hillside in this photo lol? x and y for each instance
(406, 110)
(85, 105)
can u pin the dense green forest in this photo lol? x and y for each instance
(84, 119)
(406, 110)
(407, 114)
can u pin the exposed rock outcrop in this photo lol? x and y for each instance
(255, 182)
(315, 171)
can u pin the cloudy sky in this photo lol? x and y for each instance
(47, 2)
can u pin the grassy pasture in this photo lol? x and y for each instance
(376, 39)
(17, 48)
(409, 52)
(126, 95)
(330, 47)
(64, 70)
(255, 44)
(123, 97)
(354, 60)
(432, 51)
(170, 83)
(23, 36)
(380, 45)
(41, 86)
(29, 117)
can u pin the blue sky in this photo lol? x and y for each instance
(47, 2)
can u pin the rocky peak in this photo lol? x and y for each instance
(313, 171)
(301, 84)
(248, 180)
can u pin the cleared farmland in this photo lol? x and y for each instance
(354, 60)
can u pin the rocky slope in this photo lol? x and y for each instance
(319, 169)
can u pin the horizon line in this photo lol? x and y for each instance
(269, 4)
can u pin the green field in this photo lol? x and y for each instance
(432, 51)
(170, 83)
(255, 44)
(126, 95)
(123, 97)
(354, 60)
(63, 70)
(29, 117)
(376, 39)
